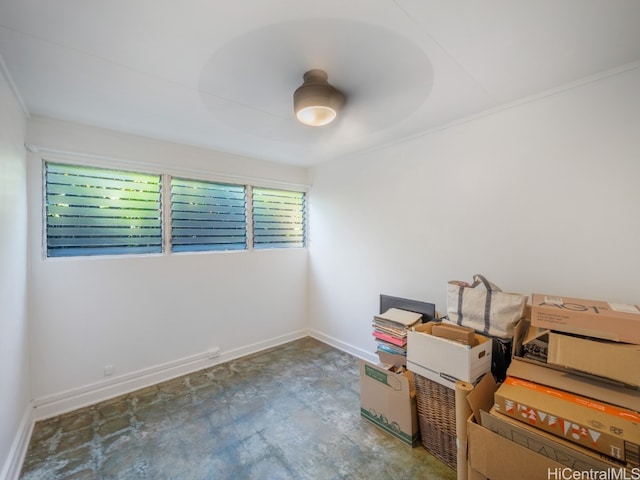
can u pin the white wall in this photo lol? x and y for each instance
(540, 197)
(148, 313)
(14, 334)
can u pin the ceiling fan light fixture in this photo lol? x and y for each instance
(315, 102)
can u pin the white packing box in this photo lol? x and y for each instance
(445, 361)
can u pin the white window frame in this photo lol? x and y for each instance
(97, 161)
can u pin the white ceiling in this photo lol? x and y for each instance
(220, 74)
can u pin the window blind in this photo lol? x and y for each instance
(279, 218)
(207, 216)
(94, 211)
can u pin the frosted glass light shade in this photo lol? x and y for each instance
(316, 115)
(315, 102)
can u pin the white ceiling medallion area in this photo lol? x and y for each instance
(221, 74)
(383, 75)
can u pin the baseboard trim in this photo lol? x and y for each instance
(13, 464)
(56, 404)
(344, 346)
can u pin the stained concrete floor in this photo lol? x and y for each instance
(292, 412)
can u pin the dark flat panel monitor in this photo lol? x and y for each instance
(428, 310)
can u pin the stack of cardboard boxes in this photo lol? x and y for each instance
(401, 400)
(387, 391)
(570, 404)
(571, 401)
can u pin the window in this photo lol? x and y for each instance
(93, 211)
(98, 211)
(278, 218)
(207, 216)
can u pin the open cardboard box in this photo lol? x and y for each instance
(493, 456)
(528, 453)
(388, 400)
(566, 379)
(394, 359)
(605, 360)
(445, 361)
(611, 360)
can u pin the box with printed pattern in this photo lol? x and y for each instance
(594, 424)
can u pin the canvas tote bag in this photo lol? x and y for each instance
(484, 307)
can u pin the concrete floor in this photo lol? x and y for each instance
(292, 412)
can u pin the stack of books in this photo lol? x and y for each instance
(390, 330)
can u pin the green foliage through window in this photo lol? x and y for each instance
(207, 216)
(93, 211)
(278, 218)
(98, 211)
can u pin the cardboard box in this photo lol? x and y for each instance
(446, 361)
(613, 360)
(387, 399)
(457, 333)
(578, 384)
(393, 359)
(596, 425)
(569, 380)
(493, 456)
(592, 318)
(535, 344)
(555, 448)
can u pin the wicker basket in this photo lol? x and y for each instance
(437, 417)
